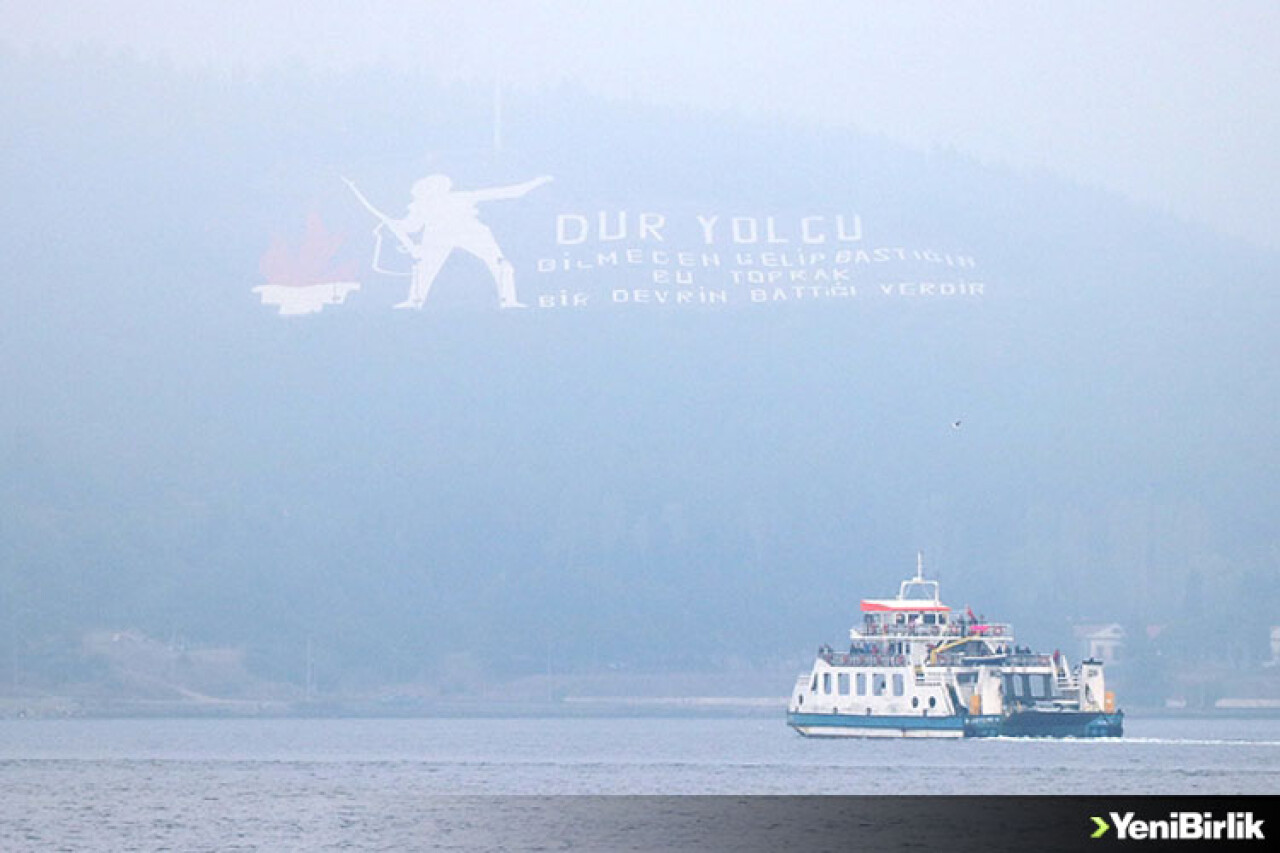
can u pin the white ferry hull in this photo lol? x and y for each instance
(861, 732)
(838, 725)
(916, 669)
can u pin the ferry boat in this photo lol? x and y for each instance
(915, 668)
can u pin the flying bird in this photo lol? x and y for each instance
(955, 425)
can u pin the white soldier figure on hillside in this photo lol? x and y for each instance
(441, 219)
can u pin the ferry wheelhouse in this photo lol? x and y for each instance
(916, 668)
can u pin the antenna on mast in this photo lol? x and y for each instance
(919, 565)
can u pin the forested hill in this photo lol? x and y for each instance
(671, 458)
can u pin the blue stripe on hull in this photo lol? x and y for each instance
(855, 721)
(1068, 724)
(1025, 724)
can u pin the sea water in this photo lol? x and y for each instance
(291, 784)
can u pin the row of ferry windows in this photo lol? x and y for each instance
(879, 684)
(1028, 686)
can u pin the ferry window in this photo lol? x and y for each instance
(915, 701)
(877, 685)
(1046, 685)
(930, 619)
(898, 687)
(842, 683)
(901, 619)
(826, 682)
(933, 702)
(862, 684)
(942, 618)
(813, 685)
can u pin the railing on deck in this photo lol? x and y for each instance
(954, 629)
(1024, 659)
(842, 659)
(960, 657)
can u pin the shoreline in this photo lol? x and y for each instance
(586, 707)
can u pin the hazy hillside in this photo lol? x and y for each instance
(625, 484)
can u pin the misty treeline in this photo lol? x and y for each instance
(383, 495)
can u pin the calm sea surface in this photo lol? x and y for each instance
(371, 784)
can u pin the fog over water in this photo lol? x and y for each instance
(284, 409)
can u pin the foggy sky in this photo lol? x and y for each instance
(1175, 105)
